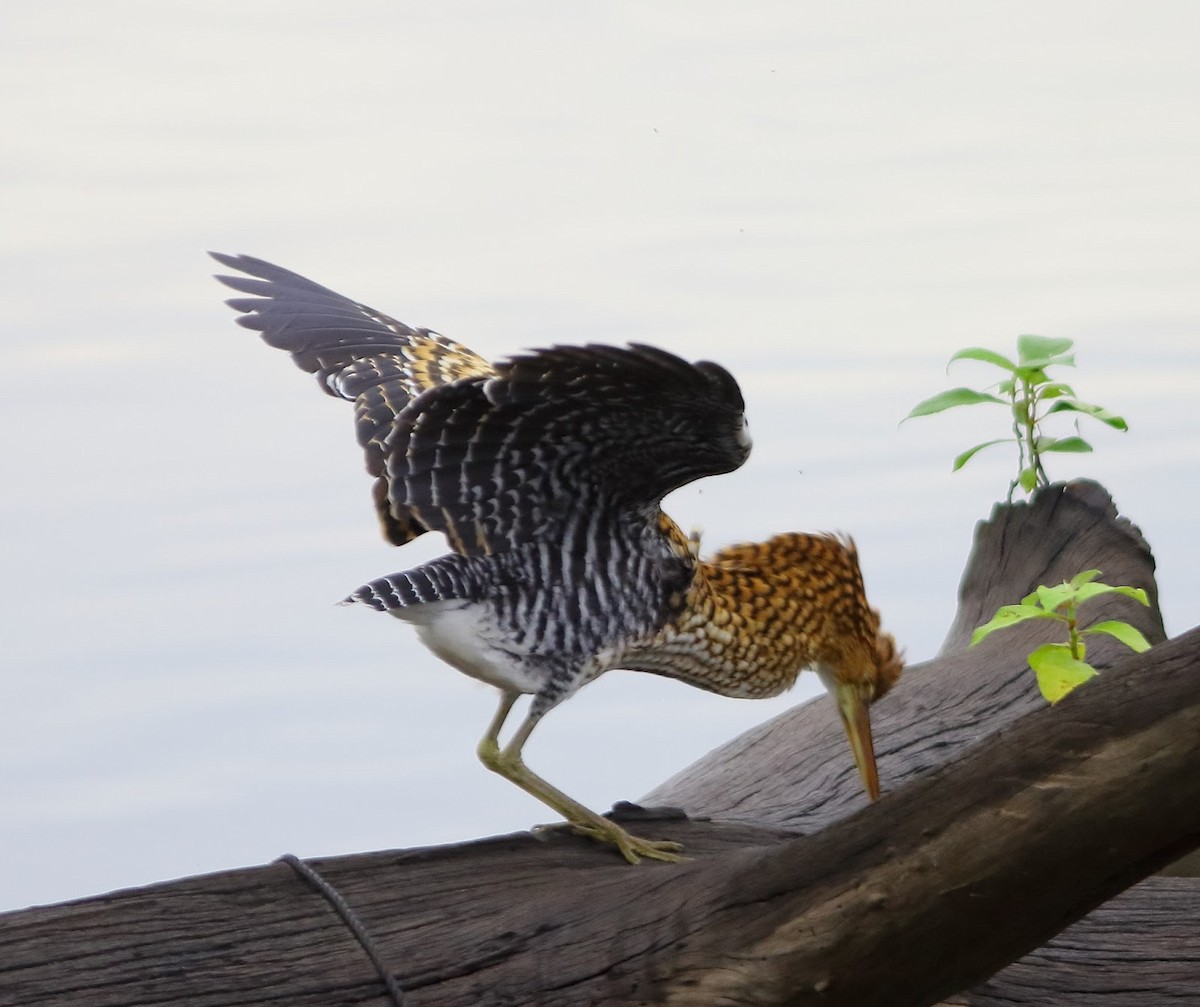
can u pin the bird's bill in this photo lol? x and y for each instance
(856, 718)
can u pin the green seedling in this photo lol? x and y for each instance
(1031, 396)
(1060, 667)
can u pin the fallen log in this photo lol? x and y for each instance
(1005, 821)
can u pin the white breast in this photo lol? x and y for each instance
(464, 636)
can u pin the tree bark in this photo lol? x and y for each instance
(1005, 821)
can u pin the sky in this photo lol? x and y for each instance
(829, 200)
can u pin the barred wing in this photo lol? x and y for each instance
(559, 437)
(497, 455)
(356, 352)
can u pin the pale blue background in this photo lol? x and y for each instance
(829, 199)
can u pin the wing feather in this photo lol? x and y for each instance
(356, 352)
(499, 455)
(503, 460)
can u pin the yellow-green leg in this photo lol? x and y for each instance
(507, 762)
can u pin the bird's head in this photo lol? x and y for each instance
(808, 590)
(858, 667)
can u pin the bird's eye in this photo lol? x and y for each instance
(743, 435)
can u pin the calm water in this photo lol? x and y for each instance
(829, 200)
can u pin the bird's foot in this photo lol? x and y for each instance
(632, 848)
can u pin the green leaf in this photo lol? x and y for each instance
(1057, 671)
(966, 456)
(1050, 598)
(1037, 366)
(1136, 593)
(1008, 615)
(987, 356)
(1055, 390)
(1072, 445)
(1007, 387)
(1031, 349)
(1084, 577)
(1127, 634)
(949, 399)
(1089, 591)
(1027, 480)
(1033, 375)
(1073, 405)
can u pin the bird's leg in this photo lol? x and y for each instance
(489, 745)
(507, 762)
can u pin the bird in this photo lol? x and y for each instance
(545, 471)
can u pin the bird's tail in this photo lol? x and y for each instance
(447, 578)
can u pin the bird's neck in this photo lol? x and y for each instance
(748, 624)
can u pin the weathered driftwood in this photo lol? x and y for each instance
(1144, 948)
(792, 771)
(1005, 822)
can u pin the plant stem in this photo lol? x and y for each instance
(1073, 633)
(1030, 403)
(1018, 436)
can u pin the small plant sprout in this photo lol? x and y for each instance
(1031, 396)
(1060, 667)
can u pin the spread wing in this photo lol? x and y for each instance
(356, 352)
(558, 436)
(496, 455)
